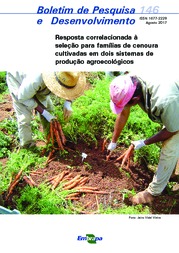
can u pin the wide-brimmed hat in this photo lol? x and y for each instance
(67, 85)
(121, 91)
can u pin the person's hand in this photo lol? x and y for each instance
(138, 144)
(47, 115)
(111, 146)
(67, 110)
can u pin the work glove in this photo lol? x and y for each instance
(47, 115)
(138, 144)
(67, 110)
(111, 146)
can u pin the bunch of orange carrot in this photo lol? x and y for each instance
(15, 181)
(55, 137)
(76, 183)
(125, 157)
(56, 134)
(13, 184)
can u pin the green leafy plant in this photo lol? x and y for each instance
(21, 159)
(3, 86)
(124, 209)
(4, 144)
(42, 200)
(92, 115)
(127, 193)
(25, 160)
(9, 126)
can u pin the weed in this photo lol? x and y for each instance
(169, 187)
(127, 174)
(69, 167)
(120, 169)
(127, 193)
(87, 166)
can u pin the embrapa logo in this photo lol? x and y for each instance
(90, 238)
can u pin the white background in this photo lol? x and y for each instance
(26, 45)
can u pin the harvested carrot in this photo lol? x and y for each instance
(43, 152)
(58, 179)
(104, 145)
(87, 204)
(61, 132)
(86, 188)
(57, 135)
(92, 191)
(108, 156)
(83, 180)
(48, 136)
(71, 181)
(126, 155)
(71, 186)
(73, 194)
(29, 181)
(83, 183)
(35, 172)
(72, 198)
(14, 183)
(128, 163)
(67, 177)
(97, 203)
(51, 132)
(121, 156)
(32, 181)
(52, 159)
(50, 156)
(51, 179)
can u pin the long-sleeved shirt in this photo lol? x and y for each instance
(24, 87)
(161, 102)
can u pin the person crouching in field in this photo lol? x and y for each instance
(31, 91)
(161, 102)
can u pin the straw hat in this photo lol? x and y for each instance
(67, 85)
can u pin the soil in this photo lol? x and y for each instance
(107, 176)
(6, 109)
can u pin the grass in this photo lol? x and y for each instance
(91, 119)
(124, 209)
